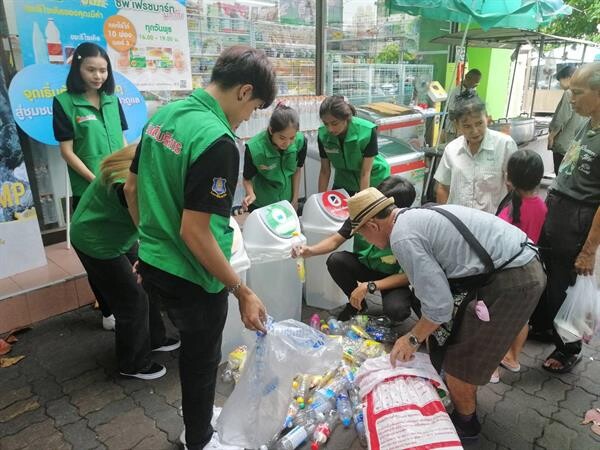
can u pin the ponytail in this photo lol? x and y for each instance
(116, 166)
(284, 116)
(516, 203)
(337, 107)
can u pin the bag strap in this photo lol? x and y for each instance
(484, 256)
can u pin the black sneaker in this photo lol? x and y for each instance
(467, 431)
(152, 372)
(347, 313)
(168, 346)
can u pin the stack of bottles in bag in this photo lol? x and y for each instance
(306, 106)
(319, 403)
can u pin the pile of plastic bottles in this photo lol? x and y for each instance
(320, 403)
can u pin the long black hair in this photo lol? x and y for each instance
(75, 83)
(525, 170)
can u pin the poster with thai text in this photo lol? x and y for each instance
(147, 40)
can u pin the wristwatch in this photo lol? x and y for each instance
(413, 341)
(233, 289)
(371, 287)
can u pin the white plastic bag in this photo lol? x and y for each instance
(256, 409)
(579, 316)
(402, 407)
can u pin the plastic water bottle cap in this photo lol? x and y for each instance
(314, 446)
(346, 422)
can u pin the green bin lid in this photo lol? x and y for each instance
(280, 219)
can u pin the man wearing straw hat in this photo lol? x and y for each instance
(437, 258)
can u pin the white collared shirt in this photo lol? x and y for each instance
(477, 181)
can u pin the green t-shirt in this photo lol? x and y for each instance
(579, 173)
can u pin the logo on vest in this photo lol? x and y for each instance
(264, 167)
(219, 187)
(332, 150)
(81, 119)
(164, 138)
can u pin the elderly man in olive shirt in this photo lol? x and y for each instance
(571, 234)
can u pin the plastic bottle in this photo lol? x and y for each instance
(315, 322)
(40, 49)
(297, 242)
(323, 430)
(344, 408)
(295, 437)
(53, 43)
(302, 391)
(357, 416)
(292, 411)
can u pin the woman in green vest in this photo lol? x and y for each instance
(368, 269)
(349, 144)
(88, 124)
(102, 233)
(273, 161)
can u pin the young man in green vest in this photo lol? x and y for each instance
(187, 168)
(368, 269)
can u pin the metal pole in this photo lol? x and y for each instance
(443, 121)
(537, 75)
(320, 42)
(583, 54)
(512, 81)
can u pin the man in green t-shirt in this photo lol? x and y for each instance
(183, 179)
(571, 233)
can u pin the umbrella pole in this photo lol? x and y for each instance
(512, 81)
(537, 75)
(443, 121)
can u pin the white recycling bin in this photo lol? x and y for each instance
(322, 216)
(232, 333)
(269, 234)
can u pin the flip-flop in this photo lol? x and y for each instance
(568, 361)
(495, 378)
(592, 415)
(596, 428)
(510, 368)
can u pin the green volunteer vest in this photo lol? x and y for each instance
(375, 258)
(273, 182)
(96, 133)
(347, 161)
(101, 226)
(171, 142)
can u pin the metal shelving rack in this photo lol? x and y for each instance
(292, 48)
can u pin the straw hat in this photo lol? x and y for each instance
(365, 205)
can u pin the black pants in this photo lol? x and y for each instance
(102, 302)
(139, 326)
(346, 270)
(565, 231)
(200, 318)
(557, 157)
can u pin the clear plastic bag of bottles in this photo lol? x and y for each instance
(258, 405)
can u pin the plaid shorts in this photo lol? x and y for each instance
(479, 346)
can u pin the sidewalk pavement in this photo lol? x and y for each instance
(66, 394)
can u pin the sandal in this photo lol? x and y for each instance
(514, 369)
(568, 361)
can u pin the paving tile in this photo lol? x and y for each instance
(42, 276)
(79, 435)
(12, 394)
(579, 401)
(96, 396)
(8, 287)
(62, 411)
(51, 301)
(17, 408)
(14, 313)
(554, 390)
(154, 406)
(110, 411)
(129, 430)
(47, 389)
(557, 436)
(41, 435)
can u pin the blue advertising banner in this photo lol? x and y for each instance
(19, 228)
(146, 39)
(33, 88)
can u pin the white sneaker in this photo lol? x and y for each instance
(216, 413)
(216, 444)
(108, 323)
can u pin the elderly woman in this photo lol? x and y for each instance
(472, 171)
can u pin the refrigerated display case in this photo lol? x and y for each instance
(402, 123)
